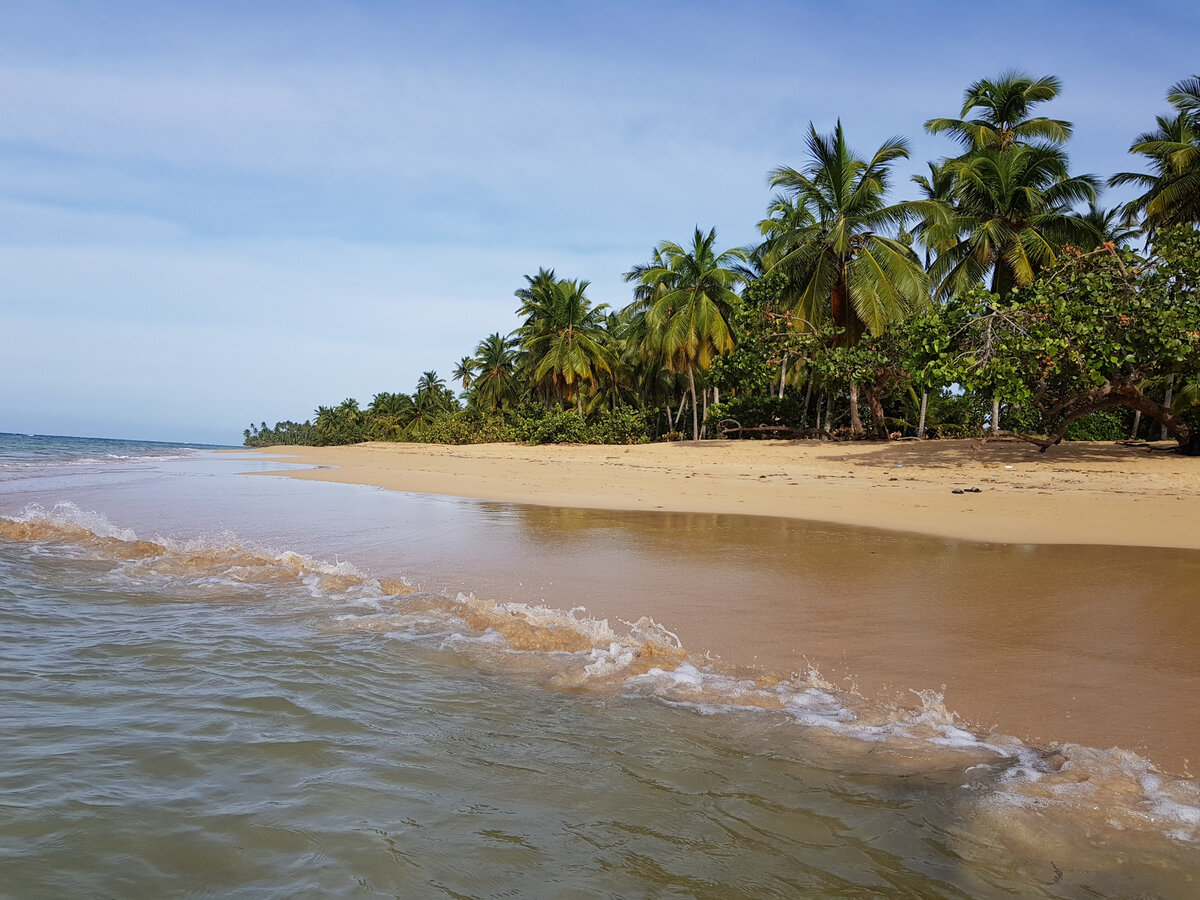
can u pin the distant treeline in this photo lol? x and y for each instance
(1001, 294)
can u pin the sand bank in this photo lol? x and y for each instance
(1079, 493)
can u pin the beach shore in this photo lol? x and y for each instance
(1078, 493)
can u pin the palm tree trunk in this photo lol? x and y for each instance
(679, 415)
(855, 421)
(1137, 423)
(995, 415)
(695, 409)
(829, 410)
(807, 398)
(921, 420)
(1164, 435)
(820, 400)
(782, 375)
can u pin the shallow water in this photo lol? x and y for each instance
(217, 684)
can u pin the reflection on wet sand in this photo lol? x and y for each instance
(1051, 643)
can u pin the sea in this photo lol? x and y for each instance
(217, 682)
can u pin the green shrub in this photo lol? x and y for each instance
(1109, 425)
(469, 427)
(623, 425)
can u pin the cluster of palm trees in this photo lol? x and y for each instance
(849, 262)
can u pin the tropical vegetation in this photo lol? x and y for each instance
(999, 288)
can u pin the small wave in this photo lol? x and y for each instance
(1021, 791)
(219, 560)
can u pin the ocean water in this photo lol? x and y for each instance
(218, 684)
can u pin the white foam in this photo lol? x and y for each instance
(67, 515)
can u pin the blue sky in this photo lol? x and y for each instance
(216, 213)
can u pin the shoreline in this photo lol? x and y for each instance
(1078, 493)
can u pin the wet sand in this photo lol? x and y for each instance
(1067, 643)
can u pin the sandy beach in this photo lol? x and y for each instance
(1079, 493)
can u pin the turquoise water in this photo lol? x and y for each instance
(219, 685)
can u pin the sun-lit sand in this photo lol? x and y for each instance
(1079, 493)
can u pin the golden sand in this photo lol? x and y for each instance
(1078, 493)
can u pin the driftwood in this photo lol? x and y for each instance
(734, 428)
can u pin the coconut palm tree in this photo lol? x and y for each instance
(688, 297)
(430, 384)
(1110, 226)
(1005, 121)
(495, 366)
(1172, 187)
(1014, 211)
(841, 268)
(563, 336)
(464, 372)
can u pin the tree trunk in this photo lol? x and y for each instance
(1111, 396)
(704, 414)
(878, 420)
(716, 394)
(579, 402)
(695, 409)
(782, 375)
(829, 411)
(679, 414)
(921, 420)
(807, 399)
(1167, 403)
(995, 415)
(855, 421)
(1137, 423)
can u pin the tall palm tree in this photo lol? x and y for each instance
(464, 372)
(841, 269)
(430, 384)
(1172, 187)
(496, 385)
(1005, 121)
(688, 296)
(1012, 191)
(1014, 211)
(563, 336)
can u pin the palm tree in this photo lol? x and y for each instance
(430, 384)
(1172, 187)
(688, 298)
(464, 372)
(389, 414)
(563, 336)
(841, 269)
(1014, 210)
(1012, 191)
(496, 385)
(1110, 226)
(1005, 122)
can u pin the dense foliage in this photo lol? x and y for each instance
(1001, 292)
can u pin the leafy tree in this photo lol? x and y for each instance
(1085, 338)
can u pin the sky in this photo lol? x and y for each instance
(216, 213)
